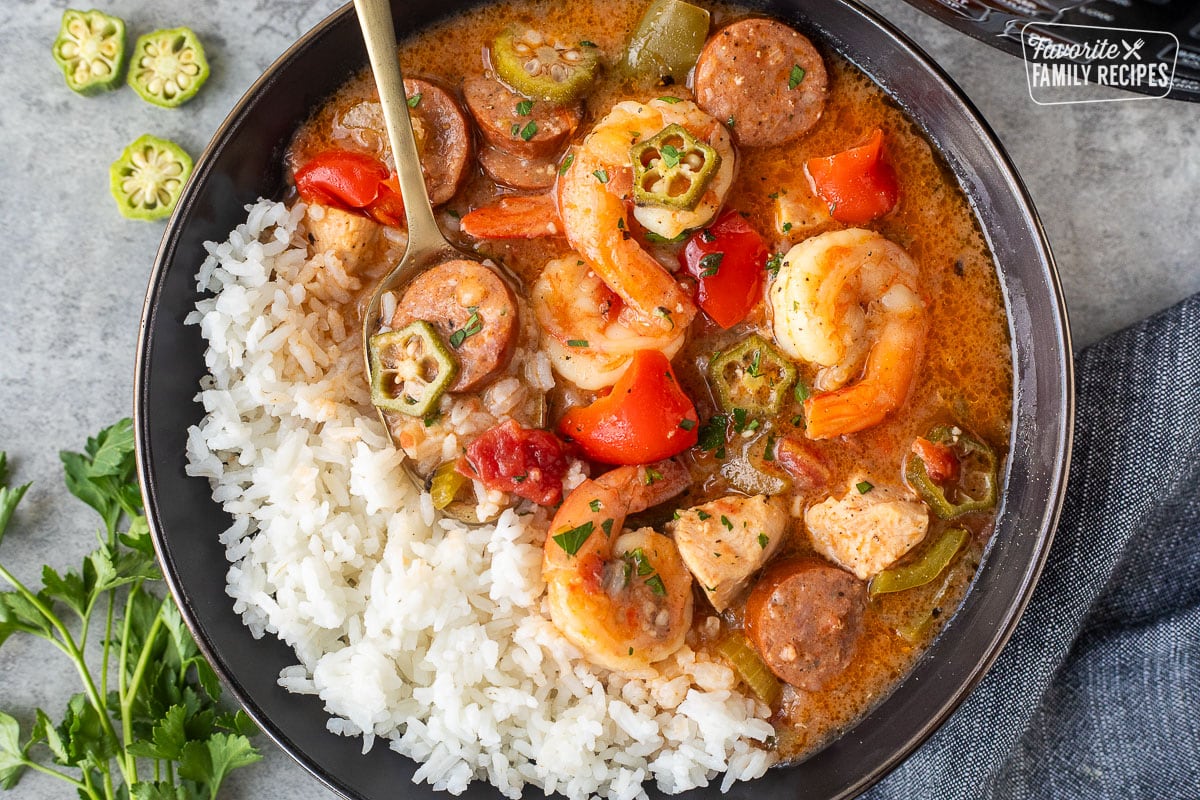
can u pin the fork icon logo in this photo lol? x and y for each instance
(1133, 50)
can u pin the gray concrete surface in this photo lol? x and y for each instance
(1115, 184)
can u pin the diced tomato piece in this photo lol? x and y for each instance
(645, 418)
(941, 464)
(858, 184)
(352, 182)
(728, 261)
(530, 463)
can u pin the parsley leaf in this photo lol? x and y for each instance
(163, 705)
(572, 539)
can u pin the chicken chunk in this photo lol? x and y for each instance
(864, 532)
(350, 237)
(724, 542)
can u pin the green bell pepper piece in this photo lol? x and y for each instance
(933, 562)
(410, 369)
(666, 43)
(168, 67)
(975, 489)
(148, 178)
(752, 375)
(90, 48)
(672, 168)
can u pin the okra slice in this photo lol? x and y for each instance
(410, 369)
(752, 375)
(672, 168)
(543, 69)
(148, 178)
(90, 48)
(168, 67)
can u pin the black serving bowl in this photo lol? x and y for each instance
(243, 163)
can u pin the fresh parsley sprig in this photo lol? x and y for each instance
(158, 734)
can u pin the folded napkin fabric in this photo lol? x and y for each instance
(1097, 695)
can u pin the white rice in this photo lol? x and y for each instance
(419, 631)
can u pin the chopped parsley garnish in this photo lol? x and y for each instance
(774, 263)
(712, 433)
(769, 450)
(473, 326)
(801, 391)
(710, 264)
(652, 476)
(607, 526)
(665, 313)
(655, 582)
(529, 131)
(670, 155)
(524, 107)
(763, 540)
(731, 122)
(566, 164)
(864, 486)
(703, 515)
(515, 130)
(669, 100)
(577, 342)
(519, 478)
(572, 539)
(415, 100)
(739, 420)
(708, 236)
(594, 505)
(787, 226)
(725, 521)
(687, 424)
(795, 76)
(640, 563)
(601, 175)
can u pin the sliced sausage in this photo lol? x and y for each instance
(747, 72)
(444, 138)
(526, 174)
(473, 310)
(804, 617)
(539, 134)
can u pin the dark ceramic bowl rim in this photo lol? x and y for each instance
(863, 755)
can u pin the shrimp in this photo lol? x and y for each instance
(624, 598)
(593, 191)
(592, 335)
(840, 299)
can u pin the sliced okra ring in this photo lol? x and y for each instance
(672, 168)
(752, 375)
(410, 369)
(90, 48)
(148, 178)
(541, 69)
(168, 67)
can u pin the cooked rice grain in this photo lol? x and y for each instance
(423, 632)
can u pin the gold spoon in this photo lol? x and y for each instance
(427, 247)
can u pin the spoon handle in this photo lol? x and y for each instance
(375, 19)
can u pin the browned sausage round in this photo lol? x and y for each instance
(473, 310)
(539, 134)
(804, 616)
(525, 174)
(746, 73)
(442, 129)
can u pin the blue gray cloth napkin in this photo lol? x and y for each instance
(1097, 695)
